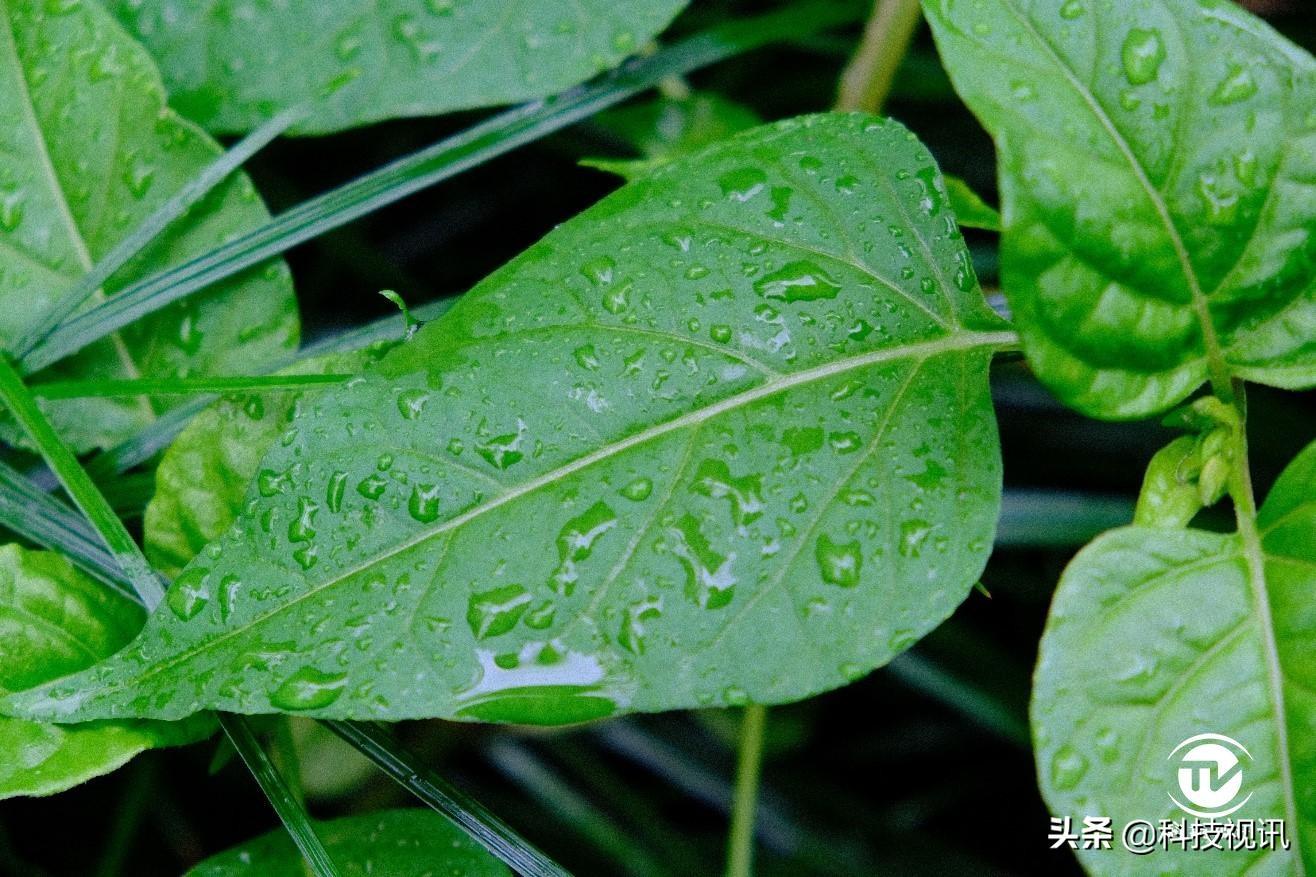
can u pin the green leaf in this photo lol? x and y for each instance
(745, 394)
(396, 843)
(1156, 636)
(969, 207)
(203, 476)
(56, 620)
(669, 127)
(354, 64)
(1158, 187)
(91, 152)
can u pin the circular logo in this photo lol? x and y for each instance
(1210, 775)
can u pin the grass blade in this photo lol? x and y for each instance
(181, 386)
(127, 556)
(281, 797)
(196, 189)
(483, 826)
(444, 159)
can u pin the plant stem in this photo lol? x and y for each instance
(867, 79)
(486, 829)
(286, 802)
(740, 843)
(181, 386)
(1245, 513)
(127, 555)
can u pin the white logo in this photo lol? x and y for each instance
(1210, 775)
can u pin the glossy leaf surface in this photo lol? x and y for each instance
(91, 150)
(724, 437)
(230, 68)
(395, 843)
(203, 476)
(55, 620)
(1157, 635)
(1158, 188)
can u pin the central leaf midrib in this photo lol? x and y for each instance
(44, 159)
(1217, 364)
(962, 341)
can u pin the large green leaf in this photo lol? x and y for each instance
(204, 474)
(90, 151)
(1158, 187)
(393, 843)
(1158, 635)
(724, 437)
(55, 620)
(230, 66)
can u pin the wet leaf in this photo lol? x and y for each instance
(230, 69)
(1158, 187)
(55, 620)
(202, 477)
(1159, 635)
(90, 152)
(396, 843)
(725, 437)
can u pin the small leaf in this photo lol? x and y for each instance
(355, 64)
(202, 477)
(1170, 496)
(970, 209)
(396, 843)
(91, 150)
(669, 127)
(1158, 185)
(55, 620)
(1200, 638)
(687, 450)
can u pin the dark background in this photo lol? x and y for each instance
(922, 768)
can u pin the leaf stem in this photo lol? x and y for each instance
(486, 829)
(181, 386)
(1245, 514)
(749, 762)
(867, 79)
(286, 802)
(83, 491)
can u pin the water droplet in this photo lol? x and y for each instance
(743, 183)
(302, 527)
(839, 563)
(308, 689)
(188, 594)
(372, 486)
(1237, 86)
(1068, 768)
(638, 490)
(333, 491)
(412, 402)
(1142, 55)
(423, 505)
(714, 480)
(504, 450)
(720, 332)
(797, 281)
(576, 542)
(631, 635)
(1072, 9)
(586, 357)
(912, 535)
(495, 612)
(710, 582)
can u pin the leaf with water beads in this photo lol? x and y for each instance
(702, 444)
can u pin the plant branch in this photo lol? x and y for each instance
(740, 843)
(867, 79)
